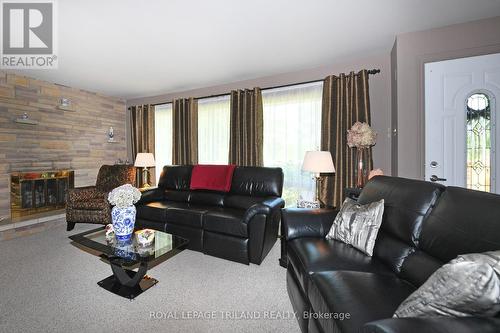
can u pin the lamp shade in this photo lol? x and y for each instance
(318, 161)
(144, 160)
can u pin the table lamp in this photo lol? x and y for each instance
(318, 162)
(144, 160)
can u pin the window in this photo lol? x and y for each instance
(213, 130)
(292, 126)
(479, 142)
(163, 137)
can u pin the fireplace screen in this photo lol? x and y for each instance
(35, 192)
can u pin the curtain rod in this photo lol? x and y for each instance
(370, 72)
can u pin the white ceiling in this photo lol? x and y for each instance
(130, 49)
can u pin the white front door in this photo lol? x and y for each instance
(460, 122)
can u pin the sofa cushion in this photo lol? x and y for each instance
(241, 201)
(179, 196)
(310, 255)
(407, 203)
(177, 177)
(418, 266)
(227, 221)
(154, 211)
(365, 296)
(187, 214)
(257, 181)
(464, 221)
(208, 198)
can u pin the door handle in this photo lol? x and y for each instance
(435, 178)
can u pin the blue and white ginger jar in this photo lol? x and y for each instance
(123, 222)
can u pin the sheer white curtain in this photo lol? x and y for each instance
(163, 137)
(292, 126)
(213, 130)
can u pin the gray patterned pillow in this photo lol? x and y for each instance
(467, 286)
(358, 225)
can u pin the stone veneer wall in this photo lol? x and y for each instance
(62, 139)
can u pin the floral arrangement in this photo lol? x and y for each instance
(361, 135)
(124, 196)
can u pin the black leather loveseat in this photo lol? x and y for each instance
(424, 226)
(240, 225)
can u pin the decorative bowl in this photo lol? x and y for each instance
(145, 237)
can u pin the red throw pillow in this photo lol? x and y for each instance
(212, 177)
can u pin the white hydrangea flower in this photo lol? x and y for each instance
(361, 135)
(124, 196)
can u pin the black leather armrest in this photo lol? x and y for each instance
(300, 222)
(434, 324)
(265, 207)
(150, 195)
(263, 220)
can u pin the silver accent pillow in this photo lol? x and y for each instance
(469, 285)
(358, 225)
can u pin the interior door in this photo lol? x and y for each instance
(448, 87)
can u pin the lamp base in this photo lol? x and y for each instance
(317, 179)
(145, 175)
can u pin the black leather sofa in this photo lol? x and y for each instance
(424, 226)
(241, 225)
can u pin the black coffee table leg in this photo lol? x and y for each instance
(127, 283)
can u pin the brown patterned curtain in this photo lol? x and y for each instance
(246, 128)
(142, 122)
(345, 100)
(185, 131)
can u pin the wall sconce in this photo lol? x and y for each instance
(65, 104)
(25, 119)
(111, 135)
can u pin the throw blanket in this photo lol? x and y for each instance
(212, 177)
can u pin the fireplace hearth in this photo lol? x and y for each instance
(39, 191)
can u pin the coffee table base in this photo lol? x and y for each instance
(112, 284)
(125, 282)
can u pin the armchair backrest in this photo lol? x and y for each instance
(112, 176)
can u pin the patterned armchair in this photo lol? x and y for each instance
(90, 204)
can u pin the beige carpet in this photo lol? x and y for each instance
(49, 285)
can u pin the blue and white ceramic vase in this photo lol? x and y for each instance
(123, 222)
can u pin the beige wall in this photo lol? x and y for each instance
(62, 139)
(380, 95)
(413, 51)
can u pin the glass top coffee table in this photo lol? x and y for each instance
(125, 256)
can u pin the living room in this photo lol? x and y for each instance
(285, 166)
